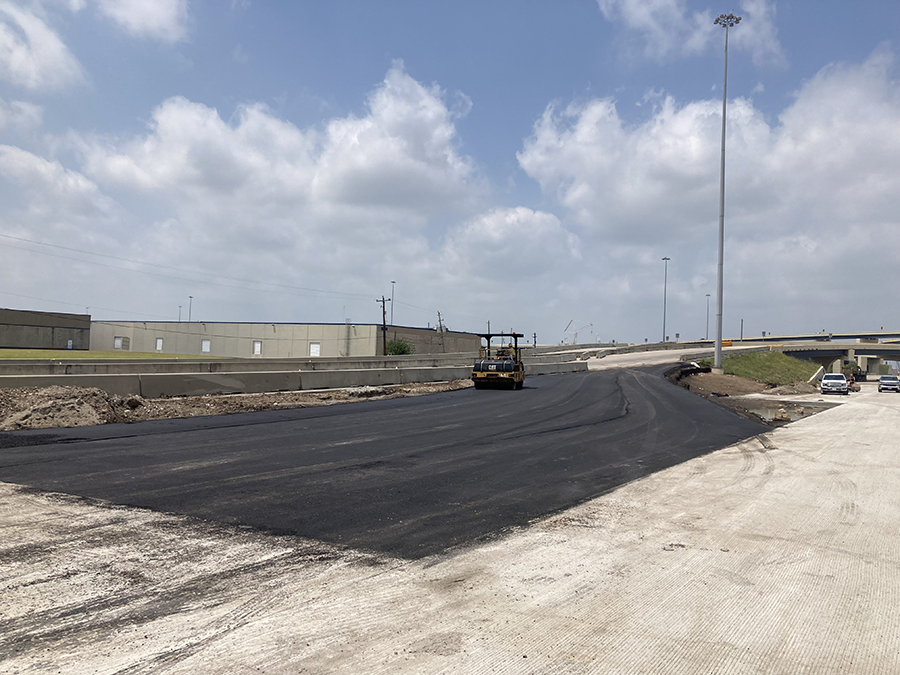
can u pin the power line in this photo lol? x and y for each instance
(75, 304)
(287, 288)
(170, 267)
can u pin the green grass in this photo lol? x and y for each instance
(71, 354)
(769, 367)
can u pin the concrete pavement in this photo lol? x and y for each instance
(777, 555)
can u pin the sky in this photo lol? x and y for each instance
(518, 162)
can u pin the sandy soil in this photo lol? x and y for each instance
(58, 406)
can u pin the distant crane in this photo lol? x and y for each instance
(576, 331)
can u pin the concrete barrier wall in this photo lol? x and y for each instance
(113, 384)
(181, 366)
(154, 385)
(556, 368)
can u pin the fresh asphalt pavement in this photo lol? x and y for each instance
(776, 554)
(408, 477)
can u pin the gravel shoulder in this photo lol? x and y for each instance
(778, 554)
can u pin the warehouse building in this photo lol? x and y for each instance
(24, 329)
(270, 340)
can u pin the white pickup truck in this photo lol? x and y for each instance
(834, 383)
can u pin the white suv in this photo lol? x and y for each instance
(834, 383)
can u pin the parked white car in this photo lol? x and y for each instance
(834, 383)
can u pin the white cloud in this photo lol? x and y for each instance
(357, 201)
(666, 29)
(359, 198)
(804, 197)
(758, 35)
(664, 25)
(20, 115)
(31, 54)
(158, 19)
(191, 150)
(503, 241)
(401, 156)
(51, 193)
(830, 153)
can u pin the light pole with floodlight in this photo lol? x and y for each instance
(726, 21)
(665, 284)
(392, 302)
(707, 317)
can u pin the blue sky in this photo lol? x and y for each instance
(527, 163)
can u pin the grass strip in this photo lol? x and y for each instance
(768, 367)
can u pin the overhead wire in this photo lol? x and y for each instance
(285, 289)
(182, 270)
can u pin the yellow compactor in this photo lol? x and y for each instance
(499, 367)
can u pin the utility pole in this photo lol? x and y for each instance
(383, 302)
(190, 306)
(441, 331)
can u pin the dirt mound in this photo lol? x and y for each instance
(58, 406)
(792, 389)
(712, 385)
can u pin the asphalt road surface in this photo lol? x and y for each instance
(409, 477)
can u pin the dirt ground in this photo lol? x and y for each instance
(730, 391)
(58, 406)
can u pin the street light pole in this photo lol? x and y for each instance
(665, 285)
(726, 21)
(190, 306)
(392, 302)
(707, 317)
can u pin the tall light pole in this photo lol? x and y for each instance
(190, 306)
(392, 302)
(707, 317)
(665, 285)
(726, 21)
